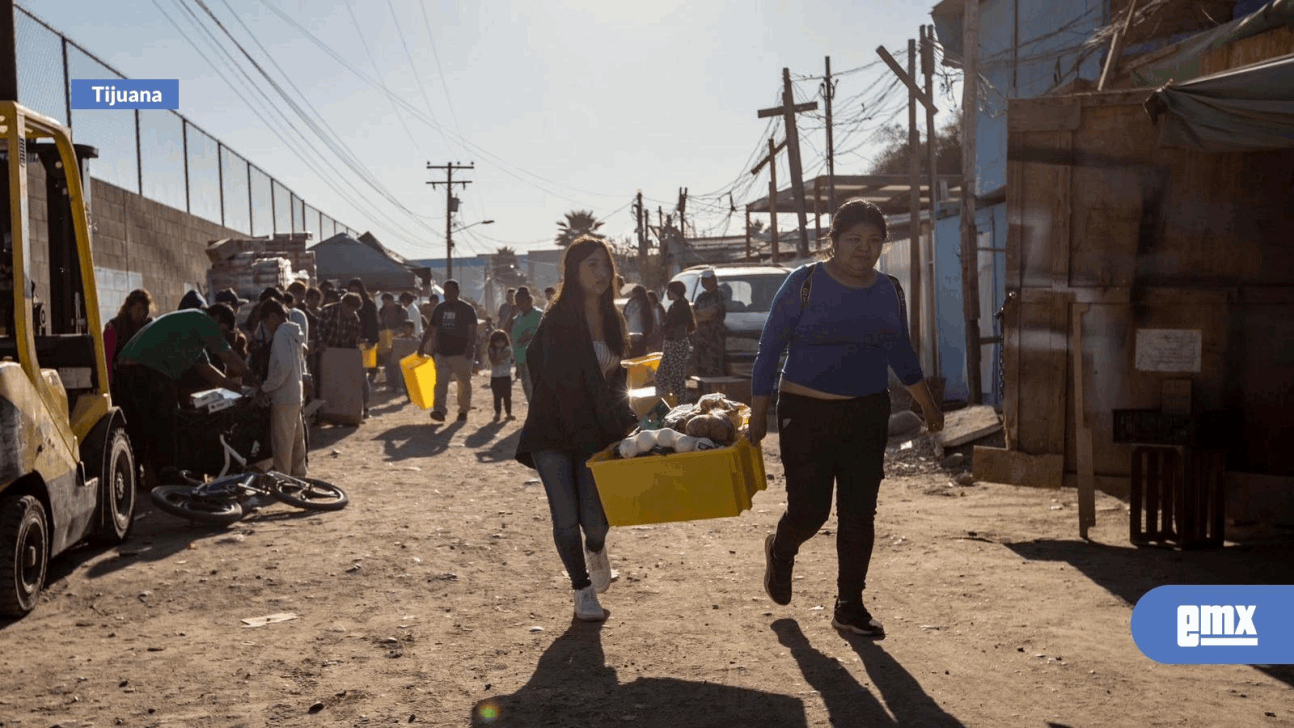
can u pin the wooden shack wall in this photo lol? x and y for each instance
(1109, 232)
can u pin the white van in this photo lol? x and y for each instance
(749, 291)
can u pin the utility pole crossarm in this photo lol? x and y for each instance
(779, 110)
(906, 78)
(769, 158)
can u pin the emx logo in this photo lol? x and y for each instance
(1225, 625)
(1173, 625)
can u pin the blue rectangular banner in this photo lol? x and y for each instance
(126, 93)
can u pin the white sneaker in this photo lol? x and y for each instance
(599, 566)
(587, 608)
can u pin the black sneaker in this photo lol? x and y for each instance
(854, 617)
(438, 416)
(777, 574)
(462, 417)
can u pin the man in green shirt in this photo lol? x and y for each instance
(150, 368)
(524, 326)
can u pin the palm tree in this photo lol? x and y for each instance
(577, 223)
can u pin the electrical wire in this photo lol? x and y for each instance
(304, 158)
(463, 142)
(322, 130)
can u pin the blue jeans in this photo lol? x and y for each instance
(574, 502)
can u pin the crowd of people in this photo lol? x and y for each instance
(839, 322)
(271, 349)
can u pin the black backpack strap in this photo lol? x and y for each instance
(903, 304)
(807, 287)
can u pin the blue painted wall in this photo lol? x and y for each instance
(1027, 48)
(1049, 52)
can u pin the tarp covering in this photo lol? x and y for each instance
(1184, 63)
(1242, 110)
(342, 257)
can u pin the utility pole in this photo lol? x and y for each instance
(787, 111)
(8, 53)
(771, 161)
(682, 209)
(914, 204)
(450, 207)
(828, 93)
(970, 243)
(642, 231)
(928, 70)
(915, 94)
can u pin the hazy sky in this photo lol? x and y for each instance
(572, 105)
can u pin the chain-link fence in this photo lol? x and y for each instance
(157, 153)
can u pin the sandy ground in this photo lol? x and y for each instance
(437, 598)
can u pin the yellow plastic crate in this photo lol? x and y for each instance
(420, 379)
(369, 354)
(680, 487)
(642, 371)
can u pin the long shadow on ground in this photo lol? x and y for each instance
(848, 702)
(573, 686)
(417, 441)
(1129, 572)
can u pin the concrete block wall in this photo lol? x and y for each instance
(137, 243)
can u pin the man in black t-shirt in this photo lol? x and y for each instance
(451, 340)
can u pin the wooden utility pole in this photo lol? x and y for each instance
(828, 93)
(8, 54)
(682, 210)
(1116, 47)
(914, 206)
(771, 161)
(970, 236)
(928, 70)
(642, 230)
(787, 111)
(449, 208)
(915, 94)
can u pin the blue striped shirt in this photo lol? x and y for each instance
(841, 342)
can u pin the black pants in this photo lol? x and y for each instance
(502, 388)
(826, 443)
(148, 399)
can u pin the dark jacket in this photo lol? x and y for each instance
(573, 406)
(369, 326)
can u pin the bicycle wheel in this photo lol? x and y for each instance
(311, 494)
(179, 500)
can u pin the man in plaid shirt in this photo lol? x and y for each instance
(339, 326)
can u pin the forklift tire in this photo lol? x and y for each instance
(117, 490)
(24, 554)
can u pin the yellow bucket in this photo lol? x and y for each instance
(369, 354)
(384, 340)
(680, 487)
(419, 379)
(642, 371)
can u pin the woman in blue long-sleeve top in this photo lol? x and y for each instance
(842, 325)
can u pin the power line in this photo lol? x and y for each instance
(359, 33)
(255, 89)
(323, 132)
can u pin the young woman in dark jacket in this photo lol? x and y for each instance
(580, 405)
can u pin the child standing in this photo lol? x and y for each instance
(500, 354)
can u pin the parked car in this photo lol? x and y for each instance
(749, 291)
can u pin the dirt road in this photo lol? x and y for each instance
(437, 598)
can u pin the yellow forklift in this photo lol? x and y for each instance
(67, 472)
